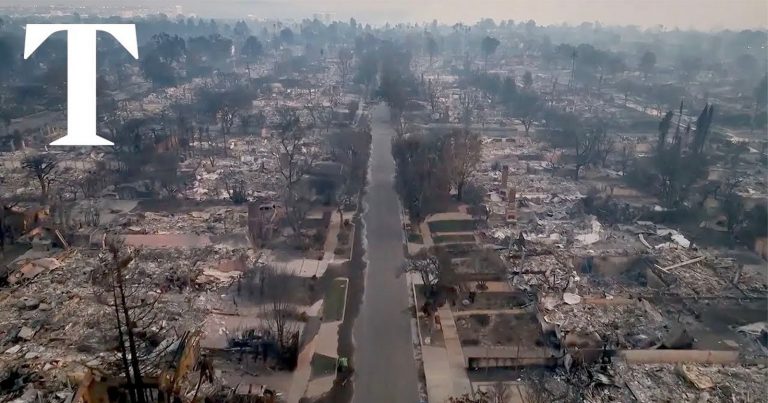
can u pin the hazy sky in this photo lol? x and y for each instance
(700, 14)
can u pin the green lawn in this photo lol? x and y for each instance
(453, 238)
(415, 238)
(322, 365)
(335, 298)
(452, 226)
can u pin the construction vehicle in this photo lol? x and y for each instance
(175, 381)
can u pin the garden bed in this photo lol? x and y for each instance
(452, 226)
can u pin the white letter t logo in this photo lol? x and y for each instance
(81, 73)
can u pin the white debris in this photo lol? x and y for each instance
(13, 350)
(549, 303)
(571, 298)
(500, 233)
(588, 239)
(594, 236)
(676, 236)
(753, 328)
(681, 240)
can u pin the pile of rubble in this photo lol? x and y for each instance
(622, 382)
(249, 160)
(56, 318)
(691, 272)
(630, 325)
(206, 268)
(545, 272)
(688, 383)
(210, 221)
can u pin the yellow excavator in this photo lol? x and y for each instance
(173, 383)
(182, 373)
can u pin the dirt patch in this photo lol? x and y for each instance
(496, 300)
(345, 239)
(477, 261)
(439, 239)
(494, 330)
(624, 270)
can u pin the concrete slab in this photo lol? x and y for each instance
(300, 267)
(454, 215)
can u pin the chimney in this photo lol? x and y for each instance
(504, 176)
(511, 206)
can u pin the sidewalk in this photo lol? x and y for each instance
(444, 369)
(426, 235)
(302, 373)
(438, 373)
(332, 237)
(326, 344)
(461, 384)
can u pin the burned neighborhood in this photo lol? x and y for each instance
(322, 209)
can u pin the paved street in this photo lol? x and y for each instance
(384, 364)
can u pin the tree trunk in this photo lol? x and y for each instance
(224, 137)
(121, 342)
(43, 188)
(131, 340)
